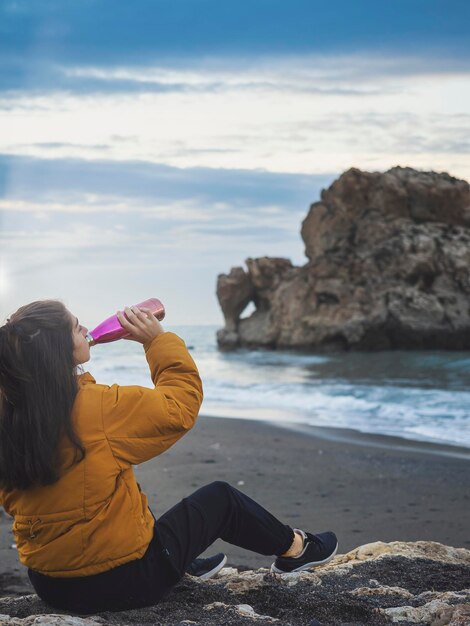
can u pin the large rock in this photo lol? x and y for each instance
(379, 583)
(388, 267)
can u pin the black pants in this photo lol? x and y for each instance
(180, 535)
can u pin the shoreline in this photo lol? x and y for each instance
(350, 435)
(375, 440)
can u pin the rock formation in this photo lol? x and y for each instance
(401, 583)
(388, 268)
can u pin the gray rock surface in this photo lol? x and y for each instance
(402, 583)
(388, 268)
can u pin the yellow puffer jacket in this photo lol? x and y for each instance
(95, 517)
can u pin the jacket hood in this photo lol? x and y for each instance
(85, 378)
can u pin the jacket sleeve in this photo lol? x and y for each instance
(139, 422)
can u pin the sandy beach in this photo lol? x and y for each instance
(366, 488)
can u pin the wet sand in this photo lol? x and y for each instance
(364, 487)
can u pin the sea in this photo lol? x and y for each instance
(422, 396)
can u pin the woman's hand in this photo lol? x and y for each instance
(141, 324)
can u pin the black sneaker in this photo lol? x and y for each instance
(207, 568)
(318, 550)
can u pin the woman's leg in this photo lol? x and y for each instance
(215, 511)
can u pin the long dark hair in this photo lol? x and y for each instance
(38, 387)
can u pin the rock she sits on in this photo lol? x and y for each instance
(403, 583)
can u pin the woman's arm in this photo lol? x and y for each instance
(140, 423)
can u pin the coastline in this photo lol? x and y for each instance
(364, 487)
(357, 437)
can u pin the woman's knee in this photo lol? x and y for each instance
(216, 490)
(213, 497)
(219, 486)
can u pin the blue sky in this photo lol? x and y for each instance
(146, 147)
(113, 31)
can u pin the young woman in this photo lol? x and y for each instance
(67, 446)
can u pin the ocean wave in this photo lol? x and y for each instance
(415, 395)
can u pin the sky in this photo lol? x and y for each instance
(147, 147)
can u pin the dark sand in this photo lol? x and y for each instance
(366, 488)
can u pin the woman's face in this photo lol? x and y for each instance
(81, 347)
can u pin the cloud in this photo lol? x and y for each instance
(407, 121)
(102, 185)
(170, 48)
(115, 215)
(155, 29)
(387, 133)
(333, 74)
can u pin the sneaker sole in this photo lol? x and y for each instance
(215, 570)
(307, 566)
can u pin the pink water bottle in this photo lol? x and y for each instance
(111, 330)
